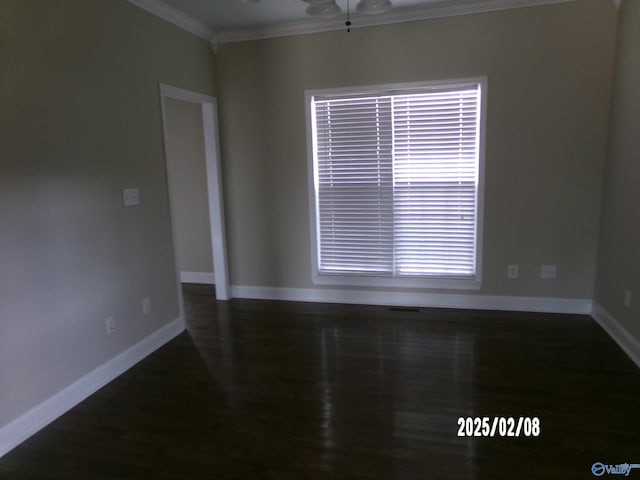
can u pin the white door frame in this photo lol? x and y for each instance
(214, 182)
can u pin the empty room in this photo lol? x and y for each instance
(319, 239)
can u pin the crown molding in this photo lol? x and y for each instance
(179, 19)
(398, 15)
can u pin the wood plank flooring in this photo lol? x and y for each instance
(274, 390)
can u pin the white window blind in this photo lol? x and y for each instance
(396, 178)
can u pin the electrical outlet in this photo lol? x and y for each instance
(512, 271)
(627, 298)
(130, 197)
(548, 272)
(111, 325)
(146, 306)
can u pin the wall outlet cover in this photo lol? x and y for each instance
(130, 197)
(146, 306)
(548, 272)
(110, 323)
(627, 298)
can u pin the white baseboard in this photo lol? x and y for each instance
(198, 277)
(17, 431)
(618, 332)
(413, 299)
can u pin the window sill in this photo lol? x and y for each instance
(440, 283)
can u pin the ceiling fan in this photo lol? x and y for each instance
(329, 8)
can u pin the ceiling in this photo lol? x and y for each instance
(224, 21)
(225, 14)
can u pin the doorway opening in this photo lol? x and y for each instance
(217, 255)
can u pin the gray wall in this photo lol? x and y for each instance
(549, 73)
(80, 121)
(188, 186)
(619, 259)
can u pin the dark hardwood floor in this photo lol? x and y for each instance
(272, 390)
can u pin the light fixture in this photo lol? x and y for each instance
(373, 6)
(329, 8)
(322, 8)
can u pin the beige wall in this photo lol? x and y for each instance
(619, 257)
(548, 72)
(80, 121)
(188, 185)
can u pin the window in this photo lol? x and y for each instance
(397, 184)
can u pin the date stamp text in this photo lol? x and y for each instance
(499, 427)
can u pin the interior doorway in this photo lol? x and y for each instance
(178, 100)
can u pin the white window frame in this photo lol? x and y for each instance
(462, 283)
